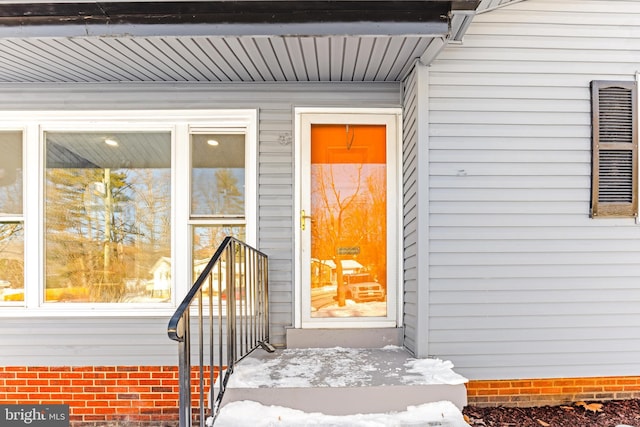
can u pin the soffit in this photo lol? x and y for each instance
(209, 59)
(285, 41)
(486, 5)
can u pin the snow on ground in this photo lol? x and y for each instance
(352, 309)
(253, 414)
(432, 371)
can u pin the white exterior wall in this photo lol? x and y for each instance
(523, 284)
(142, 340)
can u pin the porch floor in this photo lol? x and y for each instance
(344, 381)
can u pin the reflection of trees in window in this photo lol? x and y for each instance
(216, 191)
(11, 234)
(11, 193)
(105, 230)
(207, 238)
(12, 254)
(374, 255)
(218, 174)
(11, 220)
(346, 216)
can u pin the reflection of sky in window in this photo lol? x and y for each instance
(11, 173)
(211, 196)
(11, 195)
(147, 202)
(140, 208)
(341, 181)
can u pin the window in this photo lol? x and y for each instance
(107, 216)
(218, 195)
(11, 218)
(116, 210)
(615, 149)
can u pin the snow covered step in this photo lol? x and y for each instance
(253, 414)
(344, 381)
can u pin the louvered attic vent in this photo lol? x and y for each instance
(615, 145)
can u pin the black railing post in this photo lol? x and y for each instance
(242, 324)
(201, 357)
(184, 370)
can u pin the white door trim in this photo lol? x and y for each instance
(394, 318)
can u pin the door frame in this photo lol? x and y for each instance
(394, 230)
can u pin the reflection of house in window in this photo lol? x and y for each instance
(324, 272)
(199, 266)
(160, 285)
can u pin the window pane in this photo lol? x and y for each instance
(11, 262)
(10, 173)
(107, 216)
(11, 230)
(207, 238)
(217, 175)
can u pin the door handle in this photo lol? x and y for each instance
(303, 219)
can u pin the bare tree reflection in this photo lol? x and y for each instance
(104, 229)
(333, 204)
(349, 211)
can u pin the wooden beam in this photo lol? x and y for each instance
(227, 12)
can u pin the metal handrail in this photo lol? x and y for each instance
(229, 300)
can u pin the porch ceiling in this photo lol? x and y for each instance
(223, 41)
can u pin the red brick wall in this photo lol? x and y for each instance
(100, 395)
(554, 391)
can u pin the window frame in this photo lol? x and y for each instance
(250, 194)
(34, 124)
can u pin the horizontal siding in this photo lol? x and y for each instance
(275, 207)
(523, 284)
(410, 212)
(73, 341)
(143, 340)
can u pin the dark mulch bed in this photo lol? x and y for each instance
(609, 414)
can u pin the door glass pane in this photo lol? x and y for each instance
(107, 217)
(348, 220)
(217, 175)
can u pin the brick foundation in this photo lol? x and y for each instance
(553, 391)
(114, 396)
(146, 396)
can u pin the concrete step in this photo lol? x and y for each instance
(344, 381)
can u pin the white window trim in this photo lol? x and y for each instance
(34, 123)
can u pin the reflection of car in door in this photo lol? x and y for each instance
(362, 288)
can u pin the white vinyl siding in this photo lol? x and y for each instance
(410, 211)
(522, 282)
(143, 340)
(415, 221)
